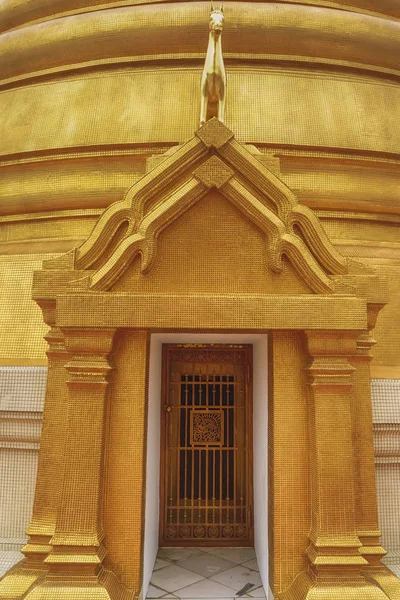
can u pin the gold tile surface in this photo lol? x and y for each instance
(89, 95)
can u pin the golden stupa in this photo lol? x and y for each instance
(217, 292)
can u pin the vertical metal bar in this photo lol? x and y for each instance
(214, 404)
(228, 452)
(199, 508)
(169, 426)
(207, 451)
(178, 452)
(236, 392)
(242, 476)
(192, 451)
(187, 415)
(213, 486)
(221, 451)
(200, 389)
(213, 390)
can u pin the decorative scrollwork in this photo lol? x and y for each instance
(212, 356)
(207, 427)
(184, 532)
(240, 531)
(199, 531)
(171, 532)
(228, 531)
(213, 531)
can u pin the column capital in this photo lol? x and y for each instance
(329, 369)
(48, 308)
(331, 343)
(89, 349)
(92, 342)
(56, 341)
(365, 342)
(373, 311)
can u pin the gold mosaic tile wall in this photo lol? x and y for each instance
(386, 353)
(21, 322)
(87, 96)
(198, 259)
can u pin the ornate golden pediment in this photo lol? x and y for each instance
(212, 159)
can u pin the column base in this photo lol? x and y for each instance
(29, 584)
(371, 549)
(308, 587)
(36, 550)
(20, 580)
(387, 580)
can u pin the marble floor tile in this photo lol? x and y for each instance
(160, 563)
(173, 578)
(237, 577)
(207, 564)
(154, 592)
(205, 574)
(251, 564)
(175, 554)
(257, 593)
(206, 589)
(236, 555)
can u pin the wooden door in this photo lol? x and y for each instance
(206, 446)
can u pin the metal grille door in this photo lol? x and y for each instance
(206, 458)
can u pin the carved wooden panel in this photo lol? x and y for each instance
(207, 427)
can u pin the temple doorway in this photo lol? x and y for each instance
(206, 494)
(255, 348)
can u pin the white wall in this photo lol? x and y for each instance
(259, 342)
(22, 391)
(153, 462)
(260, 449)
(386, 416)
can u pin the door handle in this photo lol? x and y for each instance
(167, 408)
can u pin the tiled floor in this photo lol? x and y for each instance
(208, 573)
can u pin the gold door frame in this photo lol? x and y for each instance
(208, 525)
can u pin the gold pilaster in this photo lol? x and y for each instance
(77, 541)
(364, 464)
(333, 537)
(50, 467)
(334, 550)
(51, 456)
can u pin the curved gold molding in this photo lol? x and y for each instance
(212, 159)
(132, 207)
(14, 13)
(122, 34)
(365, 189)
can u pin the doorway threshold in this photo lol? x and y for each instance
(206, 574)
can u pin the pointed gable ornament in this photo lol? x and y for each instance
(212, 159)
